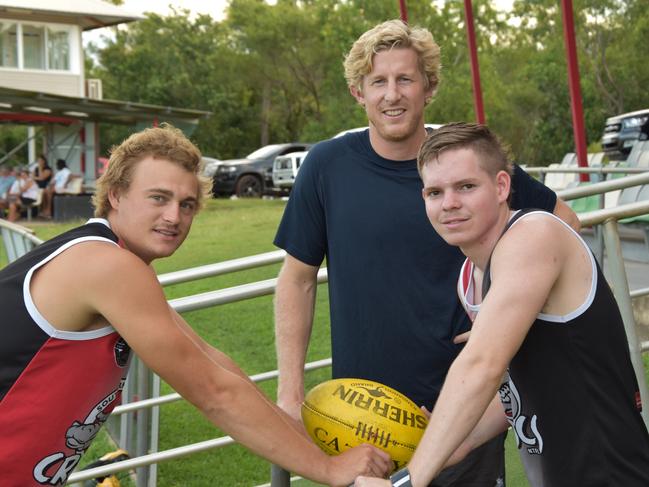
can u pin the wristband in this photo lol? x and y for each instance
(401, 478)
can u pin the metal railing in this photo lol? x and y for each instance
(17, 240)
(616, 266)
(607, 217)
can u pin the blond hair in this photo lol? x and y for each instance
(164, 142)
(491, 152)
(388, 35)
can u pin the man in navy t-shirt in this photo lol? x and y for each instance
(357, 202)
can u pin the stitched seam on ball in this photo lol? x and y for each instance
(351, 426)
(328, 416)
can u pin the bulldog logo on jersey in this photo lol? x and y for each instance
(122, 352)
(524, 427)
(55, 468)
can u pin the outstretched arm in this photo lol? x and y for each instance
(525, 266)
(135, 305)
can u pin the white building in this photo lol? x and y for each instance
(43, 85)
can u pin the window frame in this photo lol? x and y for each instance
(74, 48)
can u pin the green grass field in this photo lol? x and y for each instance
(225, 230)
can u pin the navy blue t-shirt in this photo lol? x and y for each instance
(393, 302)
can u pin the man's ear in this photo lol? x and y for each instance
(113, 198)
(358, 94)
(503, 185)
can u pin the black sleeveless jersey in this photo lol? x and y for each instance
(572, 398)
(56, 387)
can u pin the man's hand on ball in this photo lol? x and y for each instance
(371, 482)
(361, 460)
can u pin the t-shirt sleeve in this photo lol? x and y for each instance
(527, 192)
(302, 230)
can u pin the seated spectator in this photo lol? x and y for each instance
(57, 186)
(23, 193)
(42, 172)
(7, 178)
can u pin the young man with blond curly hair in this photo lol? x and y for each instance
(75, 306)
(356, 201)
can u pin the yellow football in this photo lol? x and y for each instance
(342, 413)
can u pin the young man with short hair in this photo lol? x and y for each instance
(75, 306)
(547, 354)
(356, 200)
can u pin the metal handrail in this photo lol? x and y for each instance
(219, 268)
(158, 401)
(25, 232)
(603, 187)
(267, 287)
(262, 288)
(584, 170)
(173, 452)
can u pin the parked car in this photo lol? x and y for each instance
(253, 175)
(285, 169)
(210, 167)
(622, 131)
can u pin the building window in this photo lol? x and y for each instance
(58, 49)
(8, 45)
(32, 46)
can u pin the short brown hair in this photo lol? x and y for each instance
(164, 142)
(493, 155)
(388, 35)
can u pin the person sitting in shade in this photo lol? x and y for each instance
(23, 193)
(7, 179)
(56, 186)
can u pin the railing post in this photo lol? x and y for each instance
(142, 423)
(279, 477)
(623, 297)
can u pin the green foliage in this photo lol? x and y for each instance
(10, 137)
(273, 73)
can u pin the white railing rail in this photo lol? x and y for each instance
(220, 268)
(584, 170)
(17, 240)
(607, 217)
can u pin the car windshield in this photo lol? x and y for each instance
(265, 151)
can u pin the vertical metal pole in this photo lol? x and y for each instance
(142, 425)
(127, 421)
(575, 91)
(623, 297)
(155, 432)
(475, 67)
(279, 477)
(31, 145)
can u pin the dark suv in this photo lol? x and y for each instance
(622, 131)
(252, 176)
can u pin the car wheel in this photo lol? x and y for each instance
(249, 186)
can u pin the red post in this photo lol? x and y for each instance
(404, 10)
(475, 68)
(575, 91)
